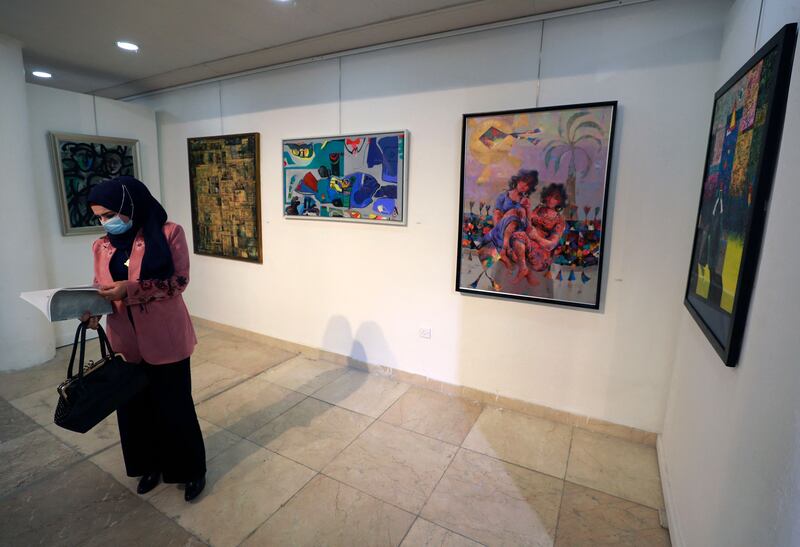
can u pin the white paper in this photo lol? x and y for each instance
(68, 302)
(40, 300)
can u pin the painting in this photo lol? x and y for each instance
(226, 196)
(743, 144)
(357, 178)
(82, 161)
(534, 189)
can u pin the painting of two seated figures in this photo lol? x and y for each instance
(533, 193)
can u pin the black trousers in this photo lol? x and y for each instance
(159, 428)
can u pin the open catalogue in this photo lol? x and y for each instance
(68, 303)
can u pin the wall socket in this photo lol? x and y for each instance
(425, 332)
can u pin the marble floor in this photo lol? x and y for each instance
(305, 452)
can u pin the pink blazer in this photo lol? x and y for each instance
(163, 330)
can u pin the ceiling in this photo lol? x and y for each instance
(184, 41)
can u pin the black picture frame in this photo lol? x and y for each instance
(593, 296)
(724, 328)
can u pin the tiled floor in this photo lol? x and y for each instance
(304, 452)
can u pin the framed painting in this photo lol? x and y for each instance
(742, 152)
(534, 189)
(355, 178)
(225, 188)
(80, 162)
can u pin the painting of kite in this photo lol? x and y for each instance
(534, 189)
(743, 144)
(358, 178)
(226, 196)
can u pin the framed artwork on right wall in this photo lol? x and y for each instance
(743, 144)
(534, 193)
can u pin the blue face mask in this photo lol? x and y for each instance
(116, 226)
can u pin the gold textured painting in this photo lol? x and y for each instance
(226, 196)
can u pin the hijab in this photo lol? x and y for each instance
(130, 197)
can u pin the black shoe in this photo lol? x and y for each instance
(193, 488)
(148, 482)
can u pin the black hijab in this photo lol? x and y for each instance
(130, 197)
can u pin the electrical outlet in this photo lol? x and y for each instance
(425, 332)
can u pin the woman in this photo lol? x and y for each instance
(535, 245)
(142, 267)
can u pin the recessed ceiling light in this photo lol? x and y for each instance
(41, 74)
(128, 46)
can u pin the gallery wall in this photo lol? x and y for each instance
(730, 451)
(69, 259)
(366, 290)
(26, 338)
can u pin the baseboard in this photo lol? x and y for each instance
(67, 340)
(673, 523)
(624, 432)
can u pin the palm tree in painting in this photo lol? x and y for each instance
(576, 136)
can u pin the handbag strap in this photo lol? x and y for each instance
(81, 332)
(74, 348)
(105, 344)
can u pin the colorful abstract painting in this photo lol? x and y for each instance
(82, 161)
(226, 196)
(742, 147)
(359, 178)
(534, 186)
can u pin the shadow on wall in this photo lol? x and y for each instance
(339, 338)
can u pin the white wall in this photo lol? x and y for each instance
(25, 336)
(69, 258)
(730, 450)
(658, 59)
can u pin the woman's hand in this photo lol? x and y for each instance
(117, 291)
(92, 321)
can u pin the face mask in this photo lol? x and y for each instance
(116, 226)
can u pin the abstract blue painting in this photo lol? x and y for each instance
(359, 178)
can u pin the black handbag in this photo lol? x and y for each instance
(99, 387)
